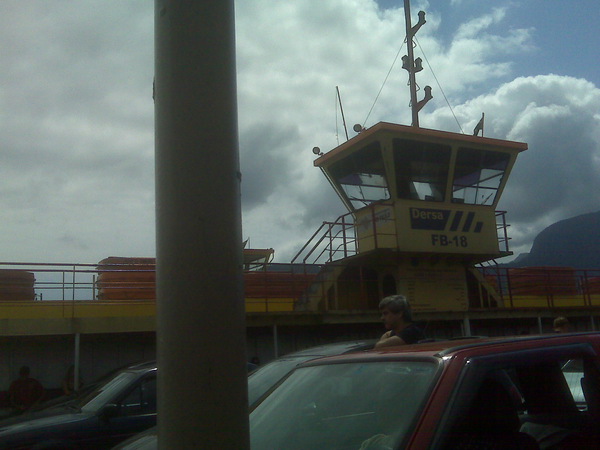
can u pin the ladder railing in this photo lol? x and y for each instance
(331, 241)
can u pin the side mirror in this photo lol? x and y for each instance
(110, 410)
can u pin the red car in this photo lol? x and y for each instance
(495, 393)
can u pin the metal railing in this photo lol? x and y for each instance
(331, 241)
(279, 286)
(269, 287)
(336, 240)
(47, 281)
(545, 287)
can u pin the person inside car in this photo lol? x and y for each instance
(396, 315)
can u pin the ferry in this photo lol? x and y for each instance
(421, 220)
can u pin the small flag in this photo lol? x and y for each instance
(479, 126)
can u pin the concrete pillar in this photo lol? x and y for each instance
(466, 326)
(275, 341)
(202, 379)
(76, 364)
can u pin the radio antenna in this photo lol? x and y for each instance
(413, 66)
(342, 111)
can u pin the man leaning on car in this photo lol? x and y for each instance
(396, 316)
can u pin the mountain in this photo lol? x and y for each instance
(573, 242)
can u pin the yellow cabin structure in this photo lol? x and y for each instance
(422, 213)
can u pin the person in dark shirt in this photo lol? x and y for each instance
(25, 391)
(561, 325)
(396, 316)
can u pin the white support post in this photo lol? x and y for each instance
(467, 326)
(201, 331)
(275, 341)
(76, 361)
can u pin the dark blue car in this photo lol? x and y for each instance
(121, 406)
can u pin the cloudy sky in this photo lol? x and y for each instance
(76, 111)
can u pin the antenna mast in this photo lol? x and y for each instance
(413, 66)
(342, 110)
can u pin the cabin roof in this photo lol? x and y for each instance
(417, 133)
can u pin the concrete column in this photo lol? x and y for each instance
(202, 380)
(467, 326)
(541, 329)
(76, 359)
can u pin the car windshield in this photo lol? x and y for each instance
(105, 392)
(343, 406)
(264, 378)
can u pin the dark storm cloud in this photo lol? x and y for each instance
(264, 160)
(323, 204)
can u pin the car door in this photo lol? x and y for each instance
(539, 401)
(132, 411)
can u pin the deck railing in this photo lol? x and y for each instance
(20, 281)
(331, 241)
(545, 287)
(269, 287)
(277, 287)
(336, 240)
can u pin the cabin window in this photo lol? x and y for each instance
(478, 176)
(421, 169)
(362, 176)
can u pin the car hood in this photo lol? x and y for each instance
(55, 410)
(40, 421)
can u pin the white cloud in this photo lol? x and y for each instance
(76, 118)
(474, 27)
(558, 175)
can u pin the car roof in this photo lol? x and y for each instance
(336, 348)
(441, 349)
(142, 366)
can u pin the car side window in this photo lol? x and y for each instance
(141, 399)
(552, 398)
(572, 370)
(561, 401)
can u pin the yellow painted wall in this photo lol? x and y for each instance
(138, 308)
(434, 287)
(380, 235)
(446, 228)
(269, 304)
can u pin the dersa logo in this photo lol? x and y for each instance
(428, 219)
(438, 219)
